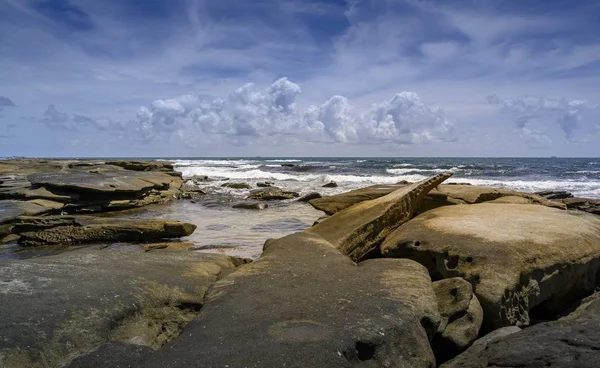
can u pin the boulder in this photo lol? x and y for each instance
(65, 230)
(331, 184)
(461, 318)
(474, 351)
(573, 341)
(338, 202)
(236, 185)
(59, 307)
(303, 304)
(272, 194)
(517, 257)
(358, 231)
(309, 197)
(265, 184)
(251, 205)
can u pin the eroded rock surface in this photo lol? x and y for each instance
(272, 194)
(358, 230)
(303, 304)
(443, 195)
(517, 257)
(67, 230)
(571, 342)
(57, 308)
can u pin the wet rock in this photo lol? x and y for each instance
(583, 204)
(517, 257)
(57, 308)
(303, 304)
(555, 194)
(113, 354)
(573, 341)
(191, 191)
(168, 245)
(9, 209)
(266, 184)
(461, 318)
(359, 230)
(251, 205)
(80, 230)
(331, 184)
(272, 194)
(309, 197)
(237, 185)
(288, 165)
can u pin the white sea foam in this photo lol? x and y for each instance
(287, 160)
(415, 170)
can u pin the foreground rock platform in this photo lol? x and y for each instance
(57, 308)
(304, 304)
(517, 257)
(571, 342)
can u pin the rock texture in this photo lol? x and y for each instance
(461, 317)
(309, 197)
(65, 230)
(583, 204)
(90, 186)
(358, 230)
(57, 308)
(571, 342)
(517, 257)
(443, 195)
(272, 194)
(251, 205)
(303, 304)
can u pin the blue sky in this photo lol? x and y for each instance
(299, 78)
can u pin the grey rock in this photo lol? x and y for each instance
(272, 194)
(309, 197)
(57, 308)
(331, 184)
(251, 205)
(237, 185)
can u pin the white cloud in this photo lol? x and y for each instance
(571, 116)
(249, 112)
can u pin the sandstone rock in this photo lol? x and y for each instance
(336, 203)
(573, 341)
(303, 304)
(583, 204)
(358, 231)
(251, 205)
(309, 197)
(57, 308)
(237, 185)
(443, 195)
(331, 184)
(107, 179)
(9, 209)
(272, 194)
(517, 257)
(556, 194)
(81, 229)
(471, 355)
(461, 318)
(169, 246)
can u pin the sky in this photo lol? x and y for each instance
(198, 78)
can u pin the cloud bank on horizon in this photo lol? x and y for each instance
(295, 78)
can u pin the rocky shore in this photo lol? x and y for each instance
(420, 274)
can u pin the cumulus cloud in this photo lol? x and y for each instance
(56, 120)
(571, 116)
(250, 112)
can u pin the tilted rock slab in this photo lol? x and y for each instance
(59, 307)
(358, 230)
(517, 257)
(571, 342)
(66, 230)
(304, 304)
(443, 195)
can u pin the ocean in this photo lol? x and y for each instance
(243, 232)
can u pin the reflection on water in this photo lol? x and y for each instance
(222, 229)
(236, 232)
